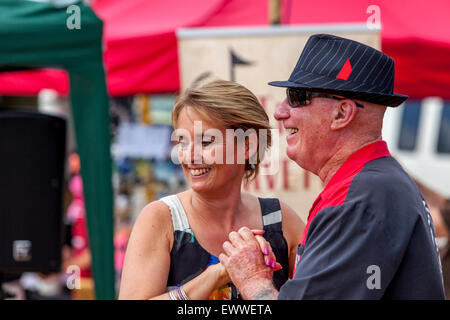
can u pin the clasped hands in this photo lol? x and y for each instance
(248, 259)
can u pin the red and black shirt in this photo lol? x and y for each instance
(369, 235)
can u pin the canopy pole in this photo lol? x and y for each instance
(90, 111)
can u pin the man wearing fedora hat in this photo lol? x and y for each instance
(369, 233)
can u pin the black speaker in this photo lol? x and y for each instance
(32, 159)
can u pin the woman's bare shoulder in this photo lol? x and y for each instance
(154, 221)
(252, 202)
(156, 211)
(248, 197)
(291, 216)
(147, 258)
(292, 224)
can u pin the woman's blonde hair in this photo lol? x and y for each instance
(235, 107)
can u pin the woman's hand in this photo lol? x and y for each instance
(245, 264)
(269, 256)
(222, 277)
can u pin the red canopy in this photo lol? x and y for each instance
(415, 33)
(141, 48)
(140, 43)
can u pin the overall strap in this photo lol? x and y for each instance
(179, 217)
(271, 213)
(272, 220)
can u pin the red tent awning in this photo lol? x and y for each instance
(140, 43)
(141, 48)
(31, 82)
(414, 33)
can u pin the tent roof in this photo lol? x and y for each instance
(141, 48)
(414, 33)
(43, 27)
(418, 19)
(141, 18)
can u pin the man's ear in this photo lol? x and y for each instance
(343, 114)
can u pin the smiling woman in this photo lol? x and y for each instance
(219, 107)
(175, 242)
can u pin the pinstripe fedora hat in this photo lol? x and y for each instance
(345, 67)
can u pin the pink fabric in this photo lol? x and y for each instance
(76, 213)
(141, 48)
(141, 53)
(414, 33)
(31, 82)
(76, 187)
(120, 247)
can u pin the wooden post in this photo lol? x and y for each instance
(275, 12)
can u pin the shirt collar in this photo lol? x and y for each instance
(349, 168)
(357, 160)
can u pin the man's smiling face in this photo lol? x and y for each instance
(308, 132)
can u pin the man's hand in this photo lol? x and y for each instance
(246, 265)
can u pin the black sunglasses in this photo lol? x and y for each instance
(301, 97)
